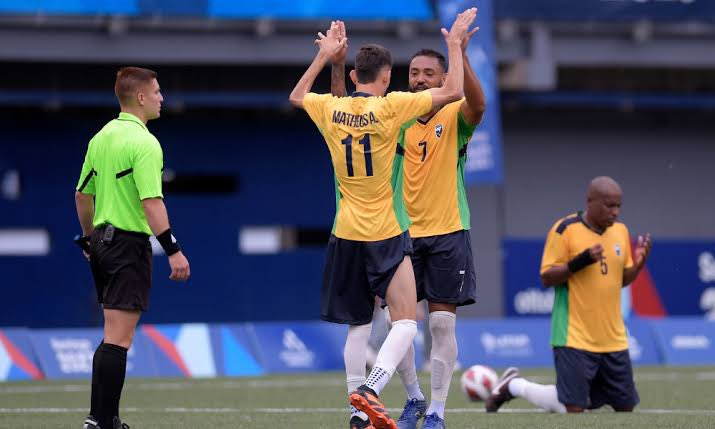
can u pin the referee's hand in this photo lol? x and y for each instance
(179, 267)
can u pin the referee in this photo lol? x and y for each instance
(120, 204)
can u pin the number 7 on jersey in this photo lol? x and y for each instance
(363, 140)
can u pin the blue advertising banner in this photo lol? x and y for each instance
(235, 350)
(686, 340)
(504, 343)
(313, 9)
(68, 353)
(606, 10)
(17, 358)
(484, 153)
(300, 346)
(70, 7)
(181, 350)
(679, 280)
(642, 344)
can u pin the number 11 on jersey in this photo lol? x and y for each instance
(365, 141)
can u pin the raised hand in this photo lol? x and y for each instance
(468, 37)
(640, 254)
(340, 33)
(330, 44)
(460, 27)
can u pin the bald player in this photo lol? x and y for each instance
(587, 259)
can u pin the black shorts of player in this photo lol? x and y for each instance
(444, 268)
(357, 271)
(121, 269)
(591, 380)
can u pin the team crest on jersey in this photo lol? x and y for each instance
(618, 249)
(438, 130)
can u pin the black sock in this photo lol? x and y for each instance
(111, 369)
(94, 401)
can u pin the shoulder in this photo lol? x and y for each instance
(313, 97)
(563, 224)
(621, 228)
(402, 96)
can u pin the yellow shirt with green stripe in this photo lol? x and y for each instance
(365, 136)
(435, 154)
(587, 309)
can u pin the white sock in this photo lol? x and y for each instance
(544, 397)
(443, 357)
(391, 353)
(355, 358)
(436, 407)
(408, 375)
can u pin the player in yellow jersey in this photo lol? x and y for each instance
(368, 252)
(587, 259)
(436, 201)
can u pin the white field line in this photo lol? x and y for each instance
(183, 410)
(160, 385)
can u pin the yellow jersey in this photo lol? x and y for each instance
(587, 310)
(365, 136)
(435, 154)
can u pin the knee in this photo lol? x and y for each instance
(441, 325)
(628, 409)
(574, 409)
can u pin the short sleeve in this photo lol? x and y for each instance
(147, 164)
(314, 104)
(85, 184)
(409, 105)
(555, 250)
(628, 263)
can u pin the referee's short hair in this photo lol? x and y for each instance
(129, 80)
(369, 61)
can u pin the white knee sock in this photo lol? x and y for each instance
(355, 358)
(544, 397)
(443, 358)
(391, 353)
(408, 375)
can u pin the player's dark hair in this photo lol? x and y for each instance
(433, 54)
(369, 61)
(129, 80)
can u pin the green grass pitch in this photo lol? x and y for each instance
(670, 398)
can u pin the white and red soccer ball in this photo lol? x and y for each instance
(478, 381)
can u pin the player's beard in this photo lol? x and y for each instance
(419, 88)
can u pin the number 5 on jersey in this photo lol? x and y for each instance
(363, 140)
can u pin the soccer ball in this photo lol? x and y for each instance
(478, 381)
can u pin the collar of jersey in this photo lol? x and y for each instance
(361, 94)
(124, 116)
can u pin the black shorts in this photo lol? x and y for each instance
(121, 270)
(444, 268)
(356, 271)
(592, 380)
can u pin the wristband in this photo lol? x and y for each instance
(581, 261)
(168, 242)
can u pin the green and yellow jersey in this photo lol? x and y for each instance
(587, 310)
(123, 166)
(365, 136)
(435, 154)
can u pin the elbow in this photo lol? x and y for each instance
(480, 108)
(455, 94)
(295, 100)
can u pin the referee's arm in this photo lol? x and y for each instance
(85, 211)
(158, 221)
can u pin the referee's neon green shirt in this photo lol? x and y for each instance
(123, 166)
